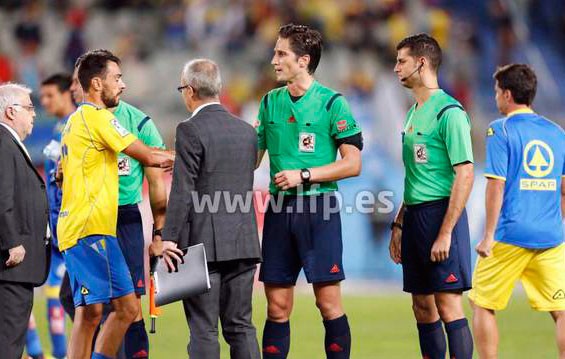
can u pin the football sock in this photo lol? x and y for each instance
(56, 318)
(276, 339)
(99, 356)
(432, 340)
(338, 338)
(33, 344)
(460, 339)
(136, 342)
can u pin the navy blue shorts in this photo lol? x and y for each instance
(421, 226)
(132, 243)
(292, 241)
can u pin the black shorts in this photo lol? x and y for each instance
(421, 226)
(132, 243)
(292, 241)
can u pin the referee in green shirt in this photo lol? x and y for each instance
(430, 235)
(302, 126)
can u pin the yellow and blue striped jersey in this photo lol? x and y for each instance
(91, 141)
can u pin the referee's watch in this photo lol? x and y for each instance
(394, 224)
(158, 232)
(305, 175)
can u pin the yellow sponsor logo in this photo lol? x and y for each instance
(538, 159)
(538, 184)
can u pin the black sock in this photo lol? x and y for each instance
(276, 339)
(460, 339)
(432, 340)
(338, 338)
(136, 342)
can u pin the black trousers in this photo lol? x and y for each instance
(229, 300)
(16, 301)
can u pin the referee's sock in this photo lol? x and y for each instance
(136, 342)
(460, 339)
(432, 340)
(338, 338)
(276, 340)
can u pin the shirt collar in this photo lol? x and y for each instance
(520, 111)
(202, 106)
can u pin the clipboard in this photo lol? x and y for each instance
(191, 278)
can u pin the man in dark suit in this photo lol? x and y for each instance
(216, 154)
(24, 260)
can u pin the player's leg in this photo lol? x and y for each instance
(112, 332)
(33, 344)
(485, 331)
(559, 318)
(337, 341)
(279, 271)
(87, 318)
(124, 302)
(55, 311)
(450, 309)
(416, 273)
(131, 241)
(319, 242)
(544, 283)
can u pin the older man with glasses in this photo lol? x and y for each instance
(24, 260)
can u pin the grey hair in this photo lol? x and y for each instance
(204, 77)
(10, 94)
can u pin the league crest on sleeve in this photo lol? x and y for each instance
(119, 128)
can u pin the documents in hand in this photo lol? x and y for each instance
(191, 278)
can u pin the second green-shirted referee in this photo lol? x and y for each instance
(430, 235)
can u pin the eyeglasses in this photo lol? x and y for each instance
(29, 108)
(180, 88)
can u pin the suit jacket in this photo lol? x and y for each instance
(23, 214)
(215, 159)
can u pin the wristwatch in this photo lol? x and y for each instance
(305, 175)
(395, 224)
(158, 232)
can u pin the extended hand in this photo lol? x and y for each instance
(170, 252)
(156, 247)
(288, 179)
(395, 245)
(440, 249)
(17, 255)
(484, 248)
(166, 159)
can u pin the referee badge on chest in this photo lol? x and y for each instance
(420, 153)
(124, 167)
(307, 142)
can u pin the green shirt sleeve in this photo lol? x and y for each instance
(261, 118)
(149, 134)
(342, 122)
(455, 130)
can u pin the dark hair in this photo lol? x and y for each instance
(423, 45)
(63, 81)
(520, 80)
(92, 64)
(304, 41)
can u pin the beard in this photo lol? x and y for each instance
(108, 100)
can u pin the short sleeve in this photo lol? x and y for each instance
(497, 152)
(149, 134)
(342, 122)
(455, 130)
(261, 118)
(111, 133)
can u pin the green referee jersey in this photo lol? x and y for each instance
(303, 134)
(436, 137)
(130, 170)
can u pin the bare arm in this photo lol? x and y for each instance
(493, 204)
(396, 237)
(149, 157)
(348, 166)
(460, 191)
(158, 201)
